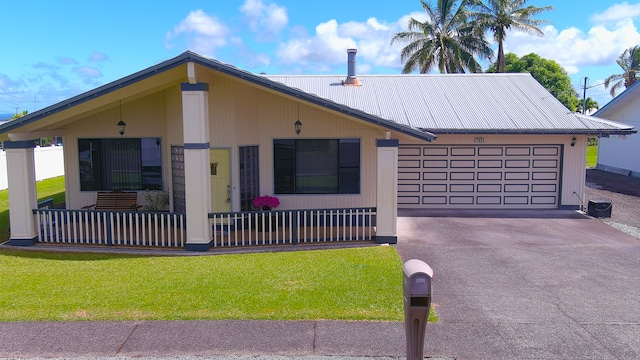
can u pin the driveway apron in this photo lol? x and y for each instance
(527, 285)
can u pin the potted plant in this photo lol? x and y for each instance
(264, 221)
(266, 202)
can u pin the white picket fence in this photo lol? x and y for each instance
(49, 162)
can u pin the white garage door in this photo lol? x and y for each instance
(475, 177)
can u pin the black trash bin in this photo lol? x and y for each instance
(600, 208)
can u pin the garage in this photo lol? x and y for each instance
(479, 177)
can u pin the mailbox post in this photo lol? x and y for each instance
(417, 302)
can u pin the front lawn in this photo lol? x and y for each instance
(592, 156)
(45, 189)
(342, 284)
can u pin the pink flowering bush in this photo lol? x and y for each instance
(266, 202)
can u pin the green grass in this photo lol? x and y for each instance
(342, 284)
(345, 284)
(592, 155)
(45, 189)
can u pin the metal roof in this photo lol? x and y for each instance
(513, 103)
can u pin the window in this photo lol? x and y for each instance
(316, 166)
(120, 164)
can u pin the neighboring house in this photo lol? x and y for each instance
(216, 137)
(619, 153)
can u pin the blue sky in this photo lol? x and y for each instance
(57, 49)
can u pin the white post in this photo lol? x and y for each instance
(195, 120)
(22, 192)
(387, 192)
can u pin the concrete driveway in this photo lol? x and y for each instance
(527, 284)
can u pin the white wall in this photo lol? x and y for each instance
(49, 163)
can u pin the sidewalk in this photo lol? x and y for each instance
(202, 338)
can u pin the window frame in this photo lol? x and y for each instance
(287, 164)
(142, 171)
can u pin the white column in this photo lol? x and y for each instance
(387, 192)
(21, 176)
(195, 121)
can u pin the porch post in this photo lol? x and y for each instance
(387, 192)
(195, 122)
(22, 192)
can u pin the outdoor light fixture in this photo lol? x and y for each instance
(298, 126)
(121, 124)
(573, 141)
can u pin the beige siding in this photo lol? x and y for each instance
(240, 114)
(145, 117)
(244, 115)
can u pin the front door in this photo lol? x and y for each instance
(220, 180)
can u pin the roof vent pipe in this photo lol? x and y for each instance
(352, 79)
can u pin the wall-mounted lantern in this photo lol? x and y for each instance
(573, 141)
(121, 127)
(298, 126)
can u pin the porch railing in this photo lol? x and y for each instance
(292, 226)
(134, 228)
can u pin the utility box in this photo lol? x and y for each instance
(417, 286)
(599, 208)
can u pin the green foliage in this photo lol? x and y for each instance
(592, 155)
(343, 284)
(590, 105)
(549, 73)
(449, 40)
(629, 61)
(18, 115)
(499, 16)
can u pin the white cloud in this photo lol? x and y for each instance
(617, 12)
(328, 46)
(267, 20)
(200, 32)
(87, 72)
(98, 56)
(572, 48)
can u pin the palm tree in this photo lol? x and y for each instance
(448, 40)
(629, 61)
(499, 16)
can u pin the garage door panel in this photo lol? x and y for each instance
(490, 151)
(434, 176)
(496, 164)
(493, 176)
(488, 200)
(462, 175)
(518, 151)
(463, 151)
(520, 164)
(489, 188)
(434, 200)
(489, 176)
(436, 151)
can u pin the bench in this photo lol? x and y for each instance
(115, 201)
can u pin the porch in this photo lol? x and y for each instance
(231, 229)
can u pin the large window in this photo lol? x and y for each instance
(120, 164)
(316, 166)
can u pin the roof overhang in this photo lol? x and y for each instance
(191, 57)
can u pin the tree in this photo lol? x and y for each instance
(590, 105)
(18, 115)
(549, 74)
(629, 61)
(499, 16)
(448, 40)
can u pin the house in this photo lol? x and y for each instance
(215, 137)
(617, 153)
